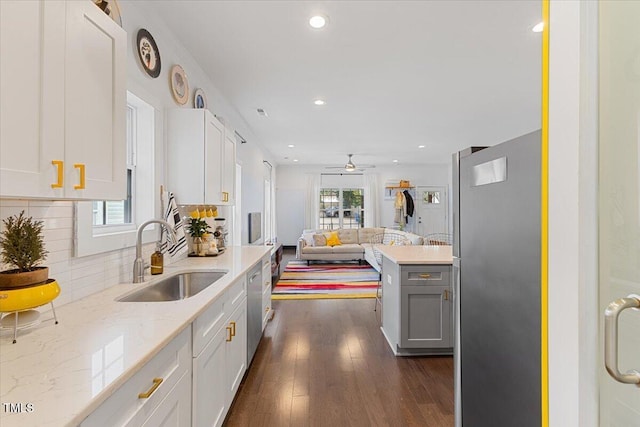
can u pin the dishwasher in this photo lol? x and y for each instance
(254, 310)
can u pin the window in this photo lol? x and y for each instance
(341, 208)
(103, 226)
(106, 213)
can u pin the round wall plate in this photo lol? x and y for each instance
(148, 53)
(199, 99)
(179, 84)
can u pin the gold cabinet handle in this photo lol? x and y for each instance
(82, 168)
(60, 165)
(230, 337)
(233, 326)
(424, 275)
(156, 384)
(446, 295)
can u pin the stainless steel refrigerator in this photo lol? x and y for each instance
(497, 279)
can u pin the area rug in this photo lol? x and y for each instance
(326, 281)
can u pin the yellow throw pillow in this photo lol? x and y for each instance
(333, 239)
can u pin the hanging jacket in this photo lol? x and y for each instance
(409, 200)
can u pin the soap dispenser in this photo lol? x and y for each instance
(157, 261)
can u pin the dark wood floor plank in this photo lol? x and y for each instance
(326, 363)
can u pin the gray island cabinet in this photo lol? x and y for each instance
(417, 299)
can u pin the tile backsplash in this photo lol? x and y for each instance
(77, 277)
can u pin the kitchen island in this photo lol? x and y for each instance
(417, 299)
(58, 375)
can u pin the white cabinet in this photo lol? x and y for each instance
(221, 333)
(198, 157)
(236, 351)
(209, 375)
(158, 394)
(266, 291)
(62, 101)
(228, 167)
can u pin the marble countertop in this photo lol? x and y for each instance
(58, 368)
(417, 254)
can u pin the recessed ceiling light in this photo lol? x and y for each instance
(318, 21)
(538, 27)
(319, 102)
(290, 145)
(295, 160)
(420, 146)
(395, 160)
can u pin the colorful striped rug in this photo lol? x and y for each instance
(326, 281)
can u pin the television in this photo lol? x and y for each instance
(255, 226)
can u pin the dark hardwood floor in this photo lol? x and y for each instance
(326, 363)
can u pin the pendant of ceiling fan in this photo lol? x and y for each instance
(350, 166)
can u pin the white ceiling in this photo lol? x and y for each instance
(394, 74)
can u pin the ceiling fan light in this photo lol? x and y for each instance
(350, 167)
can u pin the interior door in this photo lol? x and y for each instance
(431, 210)
(619, 186)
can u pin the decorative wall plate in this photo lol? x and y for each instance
(199, 99)
(111, 8)
(179, 85)
(148, 53)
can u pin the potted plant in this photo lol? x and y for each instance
(22, 246)
(198, 229)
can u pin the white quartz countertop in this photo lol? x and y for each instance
(66, 371)
(417, 254)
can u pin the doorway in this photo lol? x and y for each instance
(431, 210)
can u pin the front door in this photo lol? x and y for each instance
(431, 210)
(619, 188)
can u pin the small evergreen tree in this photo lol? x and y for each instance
(22, 242)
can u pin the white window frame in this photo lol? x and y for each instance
(90, 239)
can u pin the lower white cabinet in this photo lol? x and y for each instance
(158, 394)
(209, 374)
(219, 368)
(175, 409)
(236, 351)
(266, 291)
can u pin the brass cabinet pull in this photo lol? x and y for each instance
(446, 295)
(233, 326)
(82, 168)
(60, 165)
(230, 337)
(156, 384)
(424, 275)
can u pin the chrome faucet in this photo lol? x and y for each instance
(138, 264)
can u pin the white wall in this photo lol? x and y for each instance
(291, 185)
(79, 277)
(573, 325)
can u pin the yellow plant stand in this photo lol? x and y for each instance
(18, 303)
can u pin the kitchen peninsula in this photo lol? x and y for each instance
(417, 299)
(60, 374)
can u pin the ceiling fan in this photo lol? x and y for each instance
(350, 166)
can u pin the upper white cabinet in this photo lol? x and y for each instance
(62, 101)
(229, 167)
(201, 158)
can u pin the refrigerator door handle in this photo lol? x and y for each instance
(611, 315)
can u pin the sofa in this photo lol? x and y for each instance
(354, 244)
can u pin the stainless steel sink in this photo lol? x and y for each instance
(177, 287)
